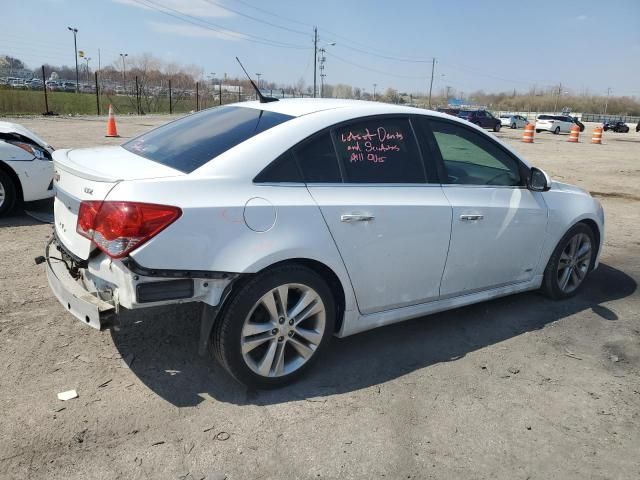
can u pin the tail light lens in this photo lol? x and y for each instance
(117, 228)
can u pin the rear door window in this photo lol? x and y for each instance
(190, 142)
(381, 150)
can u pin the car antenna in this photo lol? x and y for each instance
(261, 97)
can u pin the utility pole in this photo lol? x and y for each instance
(322, 75)
(315, 59)
(87, 59)
(75, 47)
(606, 102)
(258, 75)
(448, 90)
(433, 67)
(123, 55)
(555, 107)
(374, 91)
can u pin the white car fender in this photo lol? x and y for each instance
(567, 206)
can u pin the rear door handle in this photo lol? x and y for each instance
(353, 217)
(467, 218)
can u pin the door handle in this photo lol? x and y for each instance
(467, 218)
(352, 217)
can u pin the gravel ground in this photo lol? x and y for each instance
(519, 387)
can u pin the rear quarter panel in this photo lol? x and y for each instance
(214, 231)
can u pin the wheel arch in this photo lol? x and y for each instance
(6, 168)
(327, 273)
(596, 233)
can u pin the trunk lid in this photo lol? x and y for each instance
(90, 174)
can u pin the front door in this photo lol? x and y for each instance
(498, 225)
(390, 225)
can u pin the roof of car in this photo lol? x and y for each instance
(298, 107)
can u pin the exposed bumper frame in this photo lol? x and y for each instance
(81, 303)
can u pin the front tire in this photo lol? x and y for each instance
(513, 126)
(556, 131)
(570, 263)
(8, 194)
(496, 127)
(275, 326)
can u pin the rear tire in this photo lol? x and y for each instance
(265, 342)
(538, 131)
(8, 194)
(570, 263)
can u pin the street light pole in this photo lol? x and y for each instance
(123, 55)
(606, 102)
(258, 75)
(374, 91)
(75, 48)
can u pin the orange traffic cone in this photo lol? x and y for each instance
(527, 136)
(112, 131)
(597, 136)
(574, 135)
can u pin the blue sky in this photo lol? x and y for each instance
(490, 45)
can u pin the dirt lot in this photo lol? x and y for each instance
(517, 388)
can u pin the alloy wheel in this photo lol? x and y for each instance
(574, 262)
(283, 330)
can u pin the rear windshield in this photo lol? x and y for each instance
(546, 117)
(190, 142)
(464, 113)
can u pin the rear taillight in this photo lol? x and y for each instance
(119, 227)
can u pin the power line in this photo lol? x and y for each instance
(215, 27)
(333, 55)
(306, 34)
(278, 16)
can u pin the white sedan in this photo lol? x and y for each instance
(554, 123)
(513, 121)
(295, 220)
(26, 169)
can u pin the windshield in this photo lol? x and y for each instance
(545, 117)
(190, 142)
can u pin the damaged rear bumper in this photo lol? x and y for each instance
(81, 303)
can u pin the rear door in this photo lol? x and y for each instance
(388, 217)
(498, 225)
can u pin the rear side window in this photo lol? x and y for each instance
(380, 150)
(317, 160)
(190, 142)
(281, 170)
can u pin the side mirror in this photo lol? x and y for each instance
(539, 181)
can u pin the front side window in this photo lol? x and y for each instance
(382, 150)
(190, 142)
(471, 159)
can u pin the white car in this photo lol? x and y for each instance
(513, 121)
(26, 169)
(294, 220)
(554, 123)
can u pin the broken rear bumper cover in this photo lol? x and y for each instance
(101, 286)
(81, 303)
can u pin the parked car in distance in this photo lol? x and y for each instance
(482, 118)
(616, 126)
(554, 123)
(295, 220)
(26, 169)
(513, 121)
